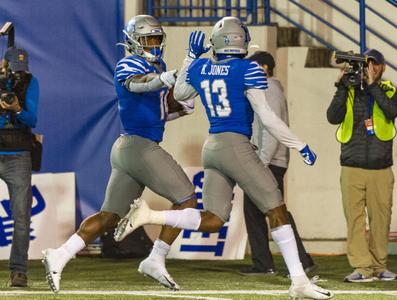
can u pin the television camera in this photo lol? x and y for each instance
(355, 70)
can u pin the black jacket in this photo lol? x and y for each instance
(363, 151)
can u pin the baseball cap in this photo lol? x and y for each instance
(263, 58)
(17, 59)
(375, 55)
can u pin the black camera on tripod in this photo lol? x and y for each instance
(356, 67)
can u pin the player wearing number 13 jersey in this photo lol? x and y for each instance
(222, 86)
(231, 89)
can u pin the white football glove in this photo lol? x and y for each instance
(168, 78)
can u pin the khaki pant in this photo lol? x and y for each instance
(367, 190)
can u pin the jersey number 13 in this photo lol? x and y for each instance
(217, 89)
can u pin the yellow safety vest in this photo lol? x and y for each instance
(383, 127)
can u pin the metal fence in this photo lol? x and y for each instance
(258, 12)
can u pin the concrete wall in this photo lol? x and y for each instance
(313, 192)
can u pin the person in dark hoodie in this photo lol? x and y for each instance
(276, 156)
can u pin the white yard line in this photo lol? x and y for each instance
(128, 293)
(192, 294)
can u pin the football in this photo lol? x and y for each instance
(173, 105)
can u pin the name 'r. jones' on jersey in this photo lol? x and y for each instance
(215, 70)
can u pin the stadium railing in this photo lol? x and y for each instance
(258, 12)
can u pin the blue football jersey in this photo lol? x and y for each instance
(221, 86)
(142, 114)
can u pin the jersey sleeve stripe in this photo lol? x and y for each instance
(254, 77)
(256, 83)
(135, 62)
(129, 67)
(254, 72)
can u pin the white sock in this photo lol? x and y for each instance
(72, 246)
(188, 218)
(285, 240)
(159, 251)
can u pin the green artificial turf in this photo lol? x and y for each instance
(97, 274)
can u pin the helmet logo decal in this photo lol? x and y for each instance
(230, 36)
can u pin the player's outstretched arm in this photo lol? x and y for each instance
(276, 126)
(150, 82)
(183, 90)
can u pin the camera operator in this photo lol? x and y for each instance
(18, 114)
(366, 114)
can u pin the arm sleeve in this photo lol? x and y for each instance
(141, 84)
(337, 109)
(183, 90)
(388, 106)
(28, 115)
(255, 77)
(132, 74)
(271, 122)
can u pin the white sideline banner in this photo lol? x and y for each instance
(53, 213)
(229, 243)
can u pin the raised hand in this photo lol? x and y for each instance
(196, 44)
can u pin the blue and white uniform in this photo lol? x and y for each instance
(221, 87)
(137, 159)
(142, 114)
(231, 90)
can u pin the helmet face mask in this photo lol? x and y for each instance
(151, 41)
(230, 36)
(145, 37)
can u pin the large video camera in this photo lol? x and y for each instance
(8, 84)
(356, 67)
(9, 80)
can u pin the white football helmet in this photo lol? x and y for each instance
(145, 37)
(230, 36)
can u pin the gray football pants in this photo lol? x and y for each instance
(229, 158)
(137, 163)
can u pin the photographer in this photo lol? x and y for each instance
(18, 114)
(366, 111)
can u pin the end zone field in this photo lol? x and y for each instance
(97, 278)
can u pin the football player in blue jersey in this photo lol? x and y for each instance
(231, 89)
(143, 86)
